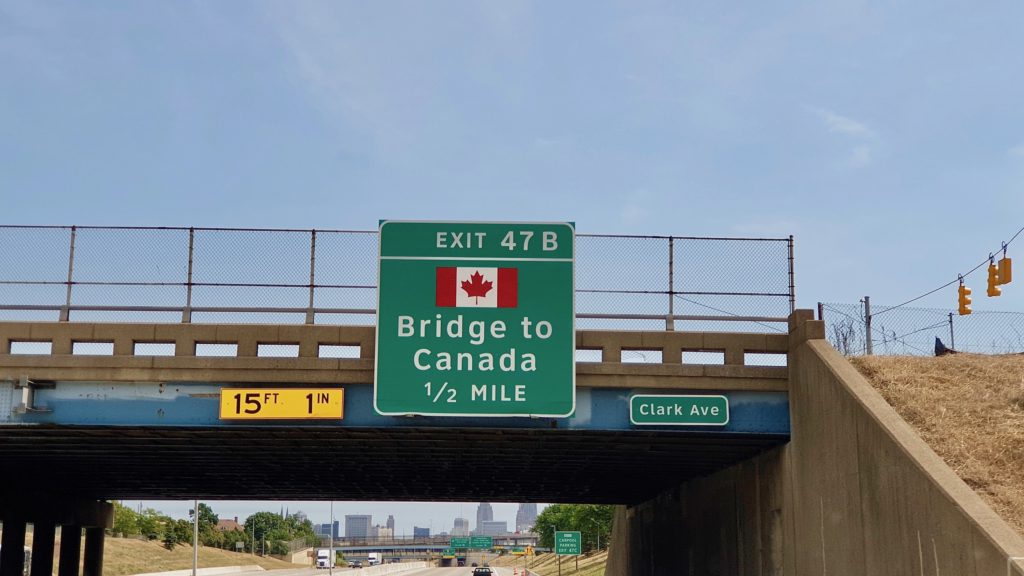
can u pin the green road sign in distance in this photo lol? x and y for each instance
(475, 319)
(679, 410)
(460, 542)
(568, 543)
(481, 542)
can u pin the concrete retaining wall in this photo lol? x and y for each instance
(856, 492)
(869, 496)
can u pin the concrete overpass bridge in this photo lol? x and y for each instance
(813, 473)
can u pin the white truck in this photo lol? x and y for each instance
(374, 558)
(324, 558)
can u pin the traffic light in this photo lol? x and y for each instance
(1005, 270)
(964, 299)
(993, 280)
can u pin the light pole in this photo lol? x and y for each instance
(331, 532)
(195, 538)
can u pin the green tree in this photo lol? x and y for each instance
(206, 516)
(182, 531)
(126, 520)
(592, 520)
(266, 526)
(151, 523)
(230, 537)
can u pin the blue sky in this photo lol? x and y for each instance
(888, 138)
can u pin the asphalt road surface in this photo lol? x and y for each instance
(467, 571)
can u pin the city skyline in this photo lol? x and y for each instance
(438, 516)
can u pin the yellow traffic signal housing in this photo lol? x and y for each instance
(964, 300)
(1005, 270)
(993, 281)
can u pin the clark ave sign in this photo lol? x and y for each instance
(678, 410)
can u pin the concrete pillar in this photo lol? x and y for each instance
(70, 550)
(42, 547)
(12, 548)
(93, 562)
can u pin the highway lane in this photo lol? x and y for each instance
(460, 571)
(466, 571)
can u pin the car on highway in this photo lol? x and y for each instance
(482, 571)
(355, 564)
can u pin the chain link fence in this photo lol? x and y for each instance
(913, 331)
(89, 273)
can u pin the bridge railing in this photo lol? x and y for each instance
(288, 276)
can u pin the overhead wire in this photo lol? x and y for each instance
(958, 279)
(726, 312)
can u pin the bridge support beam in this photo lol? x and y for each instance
(70, 549)
(43, 534)
(92, 565)
(12, 547)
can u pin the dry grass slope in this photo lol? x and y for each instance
(547, 564)
(970, 409)
(124, 556)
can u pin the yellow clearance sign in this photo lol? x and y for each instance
(281, 404)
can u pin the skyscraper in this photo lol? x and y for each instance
(357, 526)
(461, 527)
(526, 517)
(391, 523)
(483, 514)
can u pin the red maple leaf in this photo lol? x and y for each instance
(477, 288)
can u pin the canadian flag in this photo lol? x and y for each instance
(477, 287)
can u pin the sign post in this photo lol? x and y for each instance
(568, 543)
(475, 319)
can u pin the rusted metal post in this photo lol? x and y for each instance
(952, 342)
(310, 317)
(186, 314)
(65, 312)
(867, 326)
(670, 320)
(792, 285)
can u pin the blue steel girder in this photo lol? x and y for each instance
(185, 404)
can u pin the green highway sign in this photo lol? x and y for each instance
(482, 542)
(568, 543)
(459, 542)
(678, 410)
(475, 319)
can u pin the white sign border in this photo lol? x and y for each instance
(377, 331)
(728, 412)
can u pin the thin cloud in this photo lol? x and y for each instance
(1016, 152)
(859, 157)
(840, 124)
